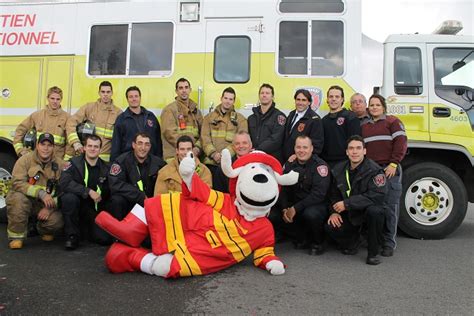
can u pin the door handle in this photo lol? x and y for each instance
(441, 112)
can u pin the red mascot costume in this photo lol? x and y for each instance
(201, 231)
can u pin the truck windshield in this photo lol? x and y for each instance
(454, 75)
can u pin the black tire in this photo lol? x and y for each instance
(7, 161)
(433, 203)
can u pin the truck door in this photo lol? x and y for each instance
(58, 72)
(232, 58)
(451, 73)
(407, 96)
(20, 84)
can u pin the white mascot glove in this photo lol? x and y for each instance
(186, 169)
(275, 267)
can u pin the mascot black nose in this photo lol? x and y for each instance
(260, 178)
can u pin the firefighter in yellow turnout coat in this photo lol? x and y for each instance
(219, 128)
(35, 178)
(181, 117)
(102, 114)
(51, 119)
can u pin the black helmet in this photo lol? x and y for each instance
(84, 129)
(29, 140)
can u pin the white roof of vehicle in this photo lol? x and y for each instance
(430, 38)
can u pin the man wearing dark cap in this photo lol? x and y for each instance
(33, 192)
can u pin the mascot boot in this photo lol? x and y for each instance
(132, 230)
(122, 258)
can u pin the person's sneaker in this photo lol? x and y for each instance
(72, 242)
(387, 251)
(16, 244)
(47, 237)
(349, 251)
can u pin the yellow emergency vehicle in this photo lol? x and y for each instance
(290, 44)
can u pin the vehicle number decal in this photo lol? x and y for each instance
(396, 109)
(458, 118)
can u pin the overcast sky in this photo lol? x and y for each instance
(383, 17)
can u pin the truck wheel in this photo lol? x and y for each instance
(7, 162)
(434, 201)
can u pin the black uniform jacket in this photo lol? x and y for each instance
(72, 178)
(338, 127)
(310, 125)
(267, 130)
(126, 127)
(368, 188)
(125, 174)
(312, 187)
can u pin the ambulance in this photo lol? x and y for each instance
(290, 44)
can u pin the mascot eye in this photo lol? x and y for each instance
(253, 167)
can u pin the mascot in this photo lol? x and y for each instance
(201, 231)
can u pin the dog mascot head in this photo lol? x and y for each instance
(255, 181)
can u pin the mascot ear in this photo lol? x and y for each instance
(287, 179)
(226, 165)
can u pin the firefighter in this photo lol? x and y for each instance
(267, 124)
(84, 189)
(339, 124)
(169, 179)
(357, 197)
(302, 208)
(133, 120)
(181, 117)
(34, 187)
(218, 130)
(132, 176)
(51, 119)
(302, 121)
(102, 114)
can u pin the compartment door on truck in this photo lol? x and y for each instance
(233, 57)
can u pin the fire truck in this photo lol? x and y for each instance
(291, 44)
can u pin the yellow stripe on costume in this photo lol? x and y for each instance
(171, 215)
(215, 200)
(261, 253)
(231, 238)
(189, 266)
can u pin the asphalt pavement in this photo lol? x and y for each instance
(424, 277)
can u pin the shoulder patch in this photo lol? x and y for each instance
(323, 170)
(149, 122)
(380, 180)
(340, 120)
(281, 119)
(115, 169)
(67, 165)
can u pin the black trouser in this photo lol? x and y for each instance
(120, 206)
(307, 226)
(79, 215)
(347, 236)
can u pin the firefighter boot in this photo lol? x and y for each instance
(132, 230)
(122, 258)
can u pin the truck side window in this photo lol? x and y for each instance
(408, 71)
(108, 49)
(232, 59)
(326, 48)
(151, 50)
(305, 6)
(454, 75)
(148, 53)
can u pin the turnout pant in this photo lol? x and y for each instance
(307, 226)
(20, 207)
(79, 215)
(347, 236)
